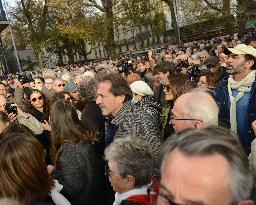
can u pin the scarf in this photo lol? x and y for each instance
(242, 86)
(138, 191)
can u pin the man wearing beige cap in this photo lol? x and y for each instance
(236, 95)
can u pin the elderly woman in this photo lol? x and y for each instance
(142, 97)
(130, 165)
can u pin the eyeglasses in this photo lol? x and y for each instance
(167, 88)
(210, 66)
(35, 99)
(61, 85)
(173, 118)
(168, 201)
(108, 172)
(202, 57)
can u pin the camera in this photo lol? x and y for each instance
(194, 72)
(180, 65)
(10, 108)
(126, 65)
(25, 78)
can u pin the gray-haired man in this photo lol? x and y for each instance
(205, 167)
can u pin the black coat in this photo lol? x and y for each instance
(93, 120)
(81, 173)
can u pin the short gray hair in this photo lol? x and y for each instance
(88, 88)
(211, 141)
(55, 79)
(133, 157)
(201, 105)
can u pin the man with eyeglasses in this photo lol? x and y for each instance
(196, 109)
(58, 85)
(205, 167)
(236, 95)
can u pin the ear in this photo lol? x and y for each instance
(245, 202)
(130, 181)
(198, 125)
(120, 99)
(250, 63)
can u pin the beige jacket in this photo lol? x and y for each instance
(32, 123)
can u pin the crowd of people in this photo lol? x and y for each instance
(172, 126)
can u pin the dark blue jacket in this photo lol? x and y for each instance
(222, 99)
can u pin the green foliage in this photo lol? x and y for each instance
(29, 65)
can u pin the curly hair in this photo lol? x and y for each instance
(88, 88)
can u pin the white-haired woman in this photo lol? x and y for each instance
(130, 166)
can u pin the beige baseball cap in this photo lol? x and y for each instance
(242, 49)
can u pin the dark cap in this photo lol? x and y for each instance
(212, 60)
(71, 87)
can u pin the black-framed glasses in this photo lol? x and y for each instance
(174, 118)
(35, 99)
(167, 200)
(210, 66)
(61, 85)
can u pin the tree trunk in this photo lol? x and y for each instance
(110, 42)
(170, 4)
(40, 59)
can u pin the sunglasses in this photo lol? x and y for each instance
(35, 99)
(210, 66)
(167, 88)
(61, 85)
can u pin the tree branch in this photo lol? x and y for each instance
(94, 4)
(211, 5)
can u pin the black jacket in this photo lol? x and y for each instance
(81, 173)
(93, 120)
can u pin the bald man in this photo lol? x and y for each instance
(196, 109)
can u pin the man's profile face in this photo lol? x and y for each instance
(178, 114)
(197, 180)
(235, 64)
(58, 86)
(163, 77)
(3, 90)
(48, 83)
(2, 103)
(108, 103)
(140, 68)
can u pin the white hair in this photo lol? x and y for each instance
(201, 105)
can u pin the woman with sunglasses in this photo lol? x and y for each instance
(76, 165)
(176, 86)
(39, 108)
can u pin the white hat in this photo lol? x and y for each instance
(141, 88)
(242, 49)
(66, 77)
(89, 74)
